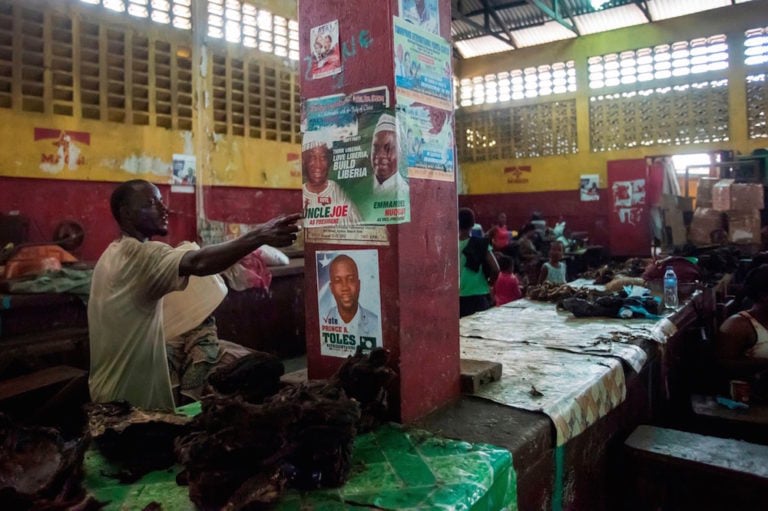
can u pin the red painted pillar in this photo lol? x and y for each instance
(418, 269)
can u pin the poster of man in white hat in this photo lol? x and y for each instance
(352, 141)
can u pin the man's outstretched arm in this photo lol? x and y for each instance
(278, 232)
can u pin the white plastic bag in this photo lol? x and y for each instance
(272, 256)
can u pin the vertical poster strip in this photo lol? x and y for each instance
(349, 301)
(326, 50)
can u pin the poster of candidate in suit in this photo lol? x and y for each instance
(349, 301)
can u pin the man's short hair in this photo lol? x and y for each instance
(466, 218)
(344, 258)
(122, 194)
(756, 284)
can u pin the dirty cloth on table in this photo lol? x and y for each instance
(393, 469)
(574, 390)
(540, 324)
(66, 280)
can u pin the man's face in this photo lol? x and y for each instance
(316, 165)
(384, 157)
(147, 213)
(345, 284)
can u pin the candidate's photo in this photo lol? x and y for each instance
(348, 300)
(344, 283)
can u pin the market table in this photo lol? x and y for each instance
(392, 468)
(571, 390)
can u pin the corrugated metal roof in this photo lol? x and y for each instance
(610, 19)
(530, 26)
(484, 45)
(546, 33)
(665, 9)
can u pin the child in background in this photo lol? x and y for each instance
(554, 270)
(507, 286)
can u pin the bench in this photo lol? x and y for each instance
(715, 419)
(20, 385)
(671, 469)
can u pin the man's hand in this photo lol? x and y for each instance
(278, 232)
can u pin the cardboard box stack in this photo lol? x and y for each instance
(704, 191)
(672, 207)
(735, 208)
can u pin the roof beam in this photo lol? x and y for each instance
(554, 13)
(457, 15)
(495, 15)
(643, 6)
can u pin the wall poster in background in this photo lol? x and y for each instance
(183, 172)
(349, 301)
(588, 188)
(326, 50)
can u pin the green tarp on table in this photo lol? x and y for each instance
(392, 468)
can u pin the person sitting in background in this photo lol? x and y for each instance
(742, 346)
(507, 286)
(477, 267)
(499, 234)
(528, 255)
(553, 270)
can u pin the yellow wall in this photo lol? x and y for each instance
(118, 152)
(562, 172)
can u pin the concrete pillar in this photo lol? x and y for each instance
(418, 269)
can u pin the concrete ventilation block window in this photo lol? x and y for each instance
(6, 55)
(517, 84)
(243, 23)
(176, 13)
(756, 58)
(662, 62)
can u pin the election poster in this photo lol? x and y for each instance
(422, 13)
(349, 301)
(351, 165)
(427, 139)
(326, 50)
(588, 187)
(183, 173)
(422, 66)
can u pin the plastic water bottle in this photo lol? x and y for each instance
(670, 289)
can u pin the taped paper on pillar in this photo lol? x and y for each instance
(326, 51)
(422, 66)
(368, 235)
(348, 301)
(422, 13)
(428, 142)
(350, 161)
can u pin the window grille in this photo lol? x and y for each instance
(681, 58)
(531, 82)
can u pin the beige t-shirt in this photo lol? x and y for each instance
(125, 322)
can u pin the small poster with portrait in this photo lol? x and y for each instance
(348, 301)
(588, 187)
(183, 173)
(325, 50)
